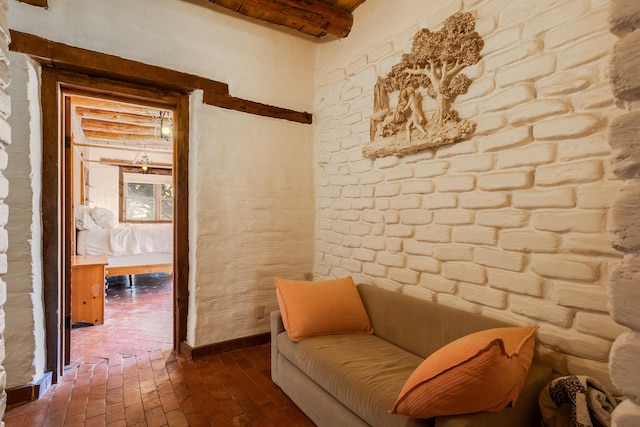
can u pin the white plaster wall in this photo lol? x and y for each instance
(25, 350)
(104, 187)
(251, 181)
(5, 139)
(511, 223)
(253, 203)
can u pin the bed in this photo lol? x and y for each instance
(130, 249)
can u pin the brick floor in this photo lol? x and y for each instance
(125, 373)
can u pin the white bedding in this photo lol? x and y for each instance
(129, 240)
(93, 242)
(141, 240)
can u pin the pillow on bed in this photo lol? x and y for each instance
(84, 221)
(483, 371)
(104, 217)
(321, 308)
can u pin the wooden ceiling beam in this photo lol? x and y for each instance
(114, 115)
(106, 135)
(118, 127)
(121, 147)
(312, 14)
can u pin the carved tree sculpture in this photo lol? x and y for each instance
(434, 63)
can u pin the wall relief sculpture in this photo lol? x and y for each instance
(433, 67)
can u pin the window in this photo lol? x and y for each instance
(146, 197)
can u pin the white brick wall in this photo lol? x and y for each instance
(5, 138)
(513, 222)
(624, 298)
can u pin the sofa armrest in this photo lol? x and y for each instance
(277, 327)
(276, 323)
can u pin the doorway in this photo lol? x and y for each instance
(121, 161)
(58, 199)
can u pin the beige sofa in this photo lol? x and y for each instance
(354, 379)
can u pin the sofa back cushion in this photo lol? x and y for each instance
(483, 371)
(321, 308)
(419, 326)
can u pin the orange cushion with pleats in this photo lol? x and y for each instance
(483, 371)
(321, 308)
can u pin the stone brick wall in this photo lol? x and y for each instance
(624, 137)
(5, 138)
(511, 223)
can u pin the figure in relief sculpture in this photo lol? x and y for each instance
(416, 116)
(433, 65)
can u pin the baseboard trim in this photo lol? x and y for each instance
(30, 392)
(192, 353)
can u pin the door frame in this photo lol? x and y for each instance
(56, 204)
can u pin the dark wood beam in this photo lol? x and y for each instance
(312, 14)
(41, 3)
(91, 63)
(238, 104)
(70, 58)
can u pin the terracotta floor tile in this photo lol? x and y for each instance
(97, 421)
(74, 420)
(155, 417)
(115, 413)
(220, 420)
(151, 400)
(51, 419)
(124, 373)
(132, 397)
(96, 407)
(198, 420)
(230, 407)
(177, 418)
(134, 414)
(169, 402)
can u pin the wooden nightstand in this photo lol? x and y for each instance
(87, 288)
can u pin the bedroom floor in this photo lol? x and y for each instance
(124, 373)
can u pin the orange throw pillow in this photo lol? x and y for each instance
(321, 308)
(483, 371)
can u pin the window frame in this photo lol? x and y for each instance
(157, 198)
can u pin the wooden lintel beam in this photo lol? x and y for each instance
(70, 58)
(310, 13)
(89, 62)
(238, 104)
(41, 3)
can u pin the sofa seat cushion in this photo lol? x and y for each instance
(363, 372)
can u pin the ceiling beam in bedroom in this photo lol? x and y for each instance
(116, 129)
(125, 145)
(120, 162)
(109, 113)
